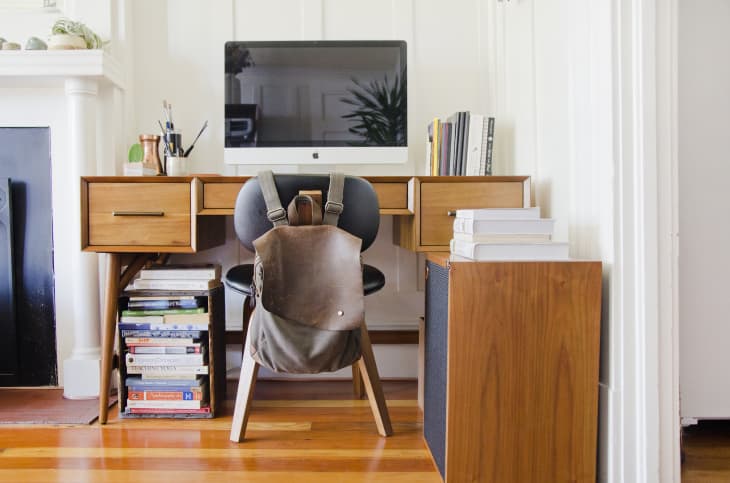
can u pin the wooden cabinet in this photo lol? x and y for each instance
(213, 340)
(434, 200)
(511, 369)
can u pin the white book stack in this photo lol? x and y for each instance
(178, 277)
(505, 234)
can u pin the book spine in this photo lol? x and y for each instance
(141, 349)
(483, 147)
(435, 147)
(135, 313)
(446, 129)
(162, 326)
(166, 359)
(162, 388)
(194, 383)
(167, 333)
(145, 305)
(160, 284)
(165, 395)
(203, 410)
(464, 142)
(166, 370)
(461, 249)
(159, 341)
(132, 404)
(490, 143)
(178, 274)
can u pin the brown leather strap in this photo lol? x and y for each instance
(299, 201)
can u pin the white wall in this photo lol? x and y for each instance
(447, 73)
(704, 168)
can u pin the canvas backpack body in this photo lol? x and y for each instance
(308, 287)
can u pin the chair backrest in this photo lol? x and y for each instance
(360, 217)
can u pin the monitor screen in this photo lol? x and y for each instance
(318, 97)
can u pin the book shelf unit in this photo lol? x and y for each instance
(215, 303)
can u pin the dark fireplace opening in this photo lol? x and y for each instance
(28, 340)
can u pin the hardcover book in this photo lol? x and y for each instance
(510, 251)
(541, 226)
(176, 284)
(182, 271)
(164, 360)
(530, 213)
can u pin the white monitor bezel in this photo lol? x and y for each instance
(314, 155)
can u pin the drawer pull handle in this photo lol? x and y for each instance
(138, 213)
(451, 213)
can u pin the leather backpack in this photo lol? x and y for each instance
(308, 286)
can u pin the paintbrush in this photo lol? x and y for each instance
(164, 139)
(190, 148)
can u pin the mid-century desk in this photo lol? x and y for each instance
(511, 348)
(139, 218)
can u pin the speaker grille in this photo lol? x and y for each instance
(434, 398)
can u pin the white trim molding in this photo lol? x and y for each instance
(644, 414)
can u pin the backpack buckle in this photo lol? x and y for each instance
(333, 207)
(277, 214)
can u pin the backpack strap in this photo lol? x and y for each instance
(333, 207)
(274, 211)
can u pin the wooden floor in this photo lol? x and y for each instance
(706, 451)
(298, 432)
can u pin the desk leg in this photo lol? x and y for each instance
(111, 294)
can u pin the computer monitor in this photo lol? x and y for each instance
(316, 102)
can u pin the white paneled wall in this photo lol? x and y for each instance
(184, 65)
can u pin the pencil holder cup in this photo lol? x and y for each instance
(177, 166)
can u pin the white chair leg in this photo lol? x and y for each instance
(371, 379)
(244, 396)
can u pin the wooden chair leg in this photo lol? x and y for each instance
(244, 396)
(247, 311)
(358, 387)
(370, 377)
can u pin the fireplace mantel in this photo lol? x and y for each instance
(49, 68)
(80, 96)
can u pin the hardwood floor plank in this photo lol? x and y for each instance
(157, 476)
(210, 453)
(254, 465)
(289, 439)
(331, 403)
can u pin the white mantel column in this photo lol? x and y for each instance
(82, 369)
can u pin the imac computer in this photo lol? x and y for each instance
(316, 102)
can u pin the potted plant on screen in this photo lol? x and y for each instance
(379, 111)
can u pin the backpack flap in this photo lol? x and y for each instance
(312, 275)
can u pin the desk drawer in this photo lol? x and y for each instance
(139, 214)
(438, 199)
(392, 196)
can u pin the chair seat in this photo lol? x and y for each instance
(240, 279)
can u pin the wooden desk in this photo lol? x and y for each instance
(150, 217)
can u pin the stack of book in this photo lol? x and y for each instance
(166, 354)
(505, 234)
(178, 277)
(461, 145)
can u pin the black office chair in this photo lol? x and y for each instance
(361, 217)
